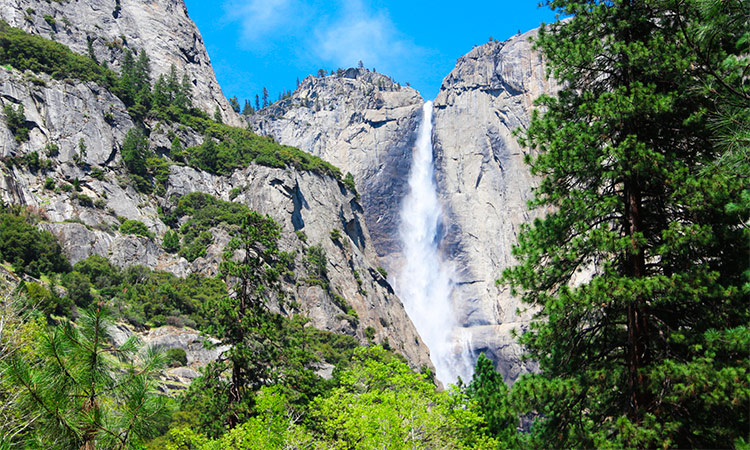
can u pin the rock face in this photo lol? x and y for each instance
(363, 123)
(160, 27)
(77, 127)
(484, 185)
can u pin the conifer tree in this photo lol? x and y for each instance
(243, 321)
(652, 350)
(86, 393)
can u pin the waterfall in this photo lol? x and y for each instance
(426, 281)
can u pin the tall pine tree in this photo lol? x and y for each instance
(652, 350)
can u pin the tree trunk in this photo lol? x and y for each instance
(637, 320)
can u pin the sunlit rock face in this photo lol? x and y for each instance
(364, 123)
(367, 125)
(72, 115)
(105, 29)
(484, 186)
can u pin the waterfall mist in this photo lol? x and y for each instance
(426, 281)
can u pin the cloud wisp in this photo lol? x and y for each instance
(260, 19)
(328, 33)
(358, 33)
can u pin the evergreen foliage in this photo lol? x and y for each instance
(15, 119)
(131, 226)
(490, 393)
(25, 51)
(135, 83)
(27, 249)
(263, 343)
(642, 354)
(84, 392)
(226, 148)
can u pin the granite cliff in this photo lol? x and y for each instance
(80, 187)
(367, 126)
(105, 28)
(364, 123)
(484, 185)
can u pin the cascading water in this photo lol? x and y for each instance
(426, 281)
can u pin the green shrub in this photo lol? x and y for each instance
(25, 51)
(336, 235)
(176, 357)
(382, 272)
(135, 227)
(196, 246)
(85, 200)
(171, 242)
(32, 161)
(226, 148)
(29, 250)
(370, 333)
(15, 119)
(79, 288)
(97, 173)
(301, 235)
(349, 183)
(49, 183)
(50, 20)
(52, 149)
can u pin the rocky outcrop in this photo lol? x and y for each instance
(78, 127)
(484, 185)
(104, 28)
(364, 123)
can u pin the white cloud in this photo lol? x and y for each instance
(328, 33)
(358, 34)
(260, 17)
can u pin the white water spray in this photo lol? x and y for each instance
(426, 281)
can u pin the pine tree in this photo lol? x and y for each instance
(135, 151)
(257, 102)
(265, 97)
(244, 321)
(653, 349)
(235, 104)
(490, 393)
(86, 393)
(248, 109)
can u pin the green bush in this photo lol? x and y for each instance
(79, 288)
(25, 51)
(171, 242)
(176, 357)
(135, 227)
(227, 148)
(49, 183)
(52, 149)
(85, 200)
(28, 249)
(15, 119)
(97, 173)
(32, 161)
(196, 246)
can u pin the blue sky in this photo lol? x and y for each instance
(270, 43)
